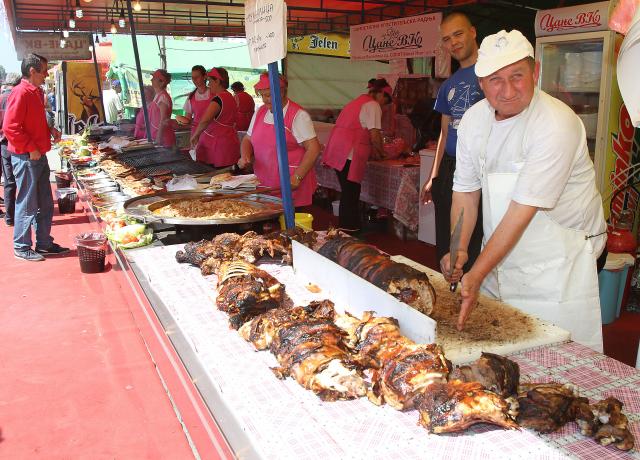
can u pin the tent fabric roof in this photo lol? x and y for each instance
(226, 18)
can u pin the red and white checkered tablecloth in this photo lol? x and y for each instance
(282, 420)
(389, 184)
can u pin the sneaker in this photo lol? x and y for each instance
(53, 250)
(28, 254)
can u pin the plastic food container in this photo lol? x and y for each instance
(92, 251)
(302, 220)
(67, 198)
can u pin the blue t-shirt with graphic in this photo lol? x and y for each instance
(459, 92)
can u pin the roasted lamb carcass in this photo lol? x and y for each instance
(312, 351)
(245, 291)
(262, 329)
(494, 372)
(401, 281)
(455, 406)
(400, 369)
(195, 253)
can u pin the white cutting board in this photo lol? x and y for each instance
(509, 330)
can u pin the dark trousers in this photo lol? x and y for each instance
(9, 185)
(442, 193)
(349, 218)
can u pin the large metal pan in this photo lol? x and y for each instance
(267, 207)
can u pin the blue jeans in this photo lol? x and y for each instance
(34, 203)
(9, 185)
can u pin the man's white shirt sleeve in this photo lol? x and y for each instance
(467, 174)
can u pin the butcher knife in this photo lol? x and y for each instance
(454, 245)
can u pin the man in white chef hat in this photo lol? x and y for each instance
(542, 214)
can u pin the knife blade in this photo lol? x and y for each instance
(454, 245)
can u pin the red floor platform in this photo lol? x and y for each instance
(83, 373)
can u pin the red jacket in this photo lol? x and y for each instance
(25, 123)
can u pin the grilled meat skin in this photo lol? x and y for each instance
(455, 406)
(607, 424)
(399, 280)
(546, 407)
(313, 353)
(409, 373)
(262, 329)
(494, 372)
(245, 291)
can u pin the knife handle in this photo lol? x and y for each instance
(453, 287)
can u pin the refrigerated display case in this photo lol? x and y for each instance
(579, 69)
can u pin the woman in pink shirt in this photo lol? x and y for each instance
(216, 137)
(198, 100)
(140, 131)
(160, 110)
(356, 137)
(259, 145)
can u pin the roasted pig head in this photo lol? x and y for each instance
(494, 372)
(455, 406)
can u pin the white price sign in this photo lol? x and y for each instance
(265, 23)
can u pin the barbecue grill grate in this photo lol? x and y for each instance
(177, 167)
(151, 158)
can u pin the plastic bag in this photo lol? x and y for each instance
(185, 182)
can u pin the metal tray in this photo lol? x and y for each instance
(268, 207)
(185, 166)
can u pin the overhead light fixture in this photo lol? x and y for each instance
(90, 48)
(72, 21)
(114, 29)
(97, 40)
(87, 1)
(63, 43)
(121, 21)
(79, 12)
(137, 6)
(65, 33)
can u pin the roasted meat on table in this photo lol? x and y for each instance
(401, 281)
(546, 407)
(250, 247)
(312, 351)
(400, 369)
(245, 291)
(262, 329)
(455, 406)
(412, 371)
(494, 372)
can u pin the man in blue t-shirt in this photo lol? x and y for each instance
(456, 95)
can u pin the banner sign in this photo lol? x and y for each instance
(265, 23)
(320, 44)
(573, 19)
(48, 45)
(416, 36)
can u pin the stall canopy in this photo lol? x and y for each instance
(226, 18)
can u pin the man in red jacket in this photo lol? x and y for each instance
(29, 140)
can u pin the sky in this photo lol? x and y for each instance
(7, 51)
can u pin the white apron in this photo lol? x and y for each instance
(551, 272)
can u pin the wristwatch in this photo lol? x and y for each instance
(298, 177)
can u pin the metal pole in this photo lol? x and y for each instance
(65, 99)
(132, 25)
(281, 146)
(95, 66)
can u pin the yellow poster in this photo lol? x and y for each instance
(323, 44)
(83, 96)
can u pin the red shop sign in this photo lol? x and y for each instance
(573, 19)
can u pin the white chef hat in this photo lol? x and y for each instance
(501, 49)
